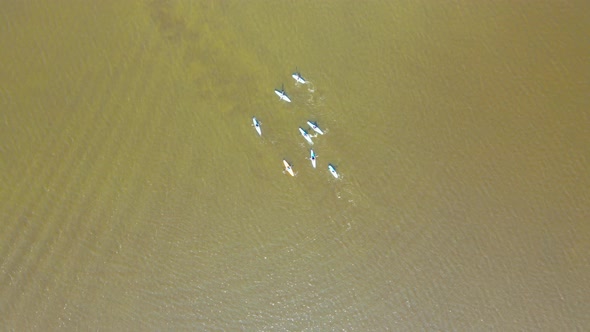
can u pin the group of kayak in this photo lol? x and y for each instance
(314, 126)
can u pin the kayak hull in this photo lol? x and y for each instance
(288, 167)
(305, 135)
(315, 127)
(332, 170)
(312, 157)
(298, 78)
(282, 95)
(256, 124)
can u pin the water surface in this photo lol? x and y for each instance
(135, 195)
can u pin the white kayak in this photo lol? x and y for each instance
(312, 157)
(256, 124)
(315, 127)
(333, 171)
(282, 95)
(298, 78)
(288, 167)
(305, 135)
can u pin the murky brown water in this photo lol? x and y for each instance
(135, 195)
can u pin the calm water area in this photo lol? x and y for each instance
(135, 195)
